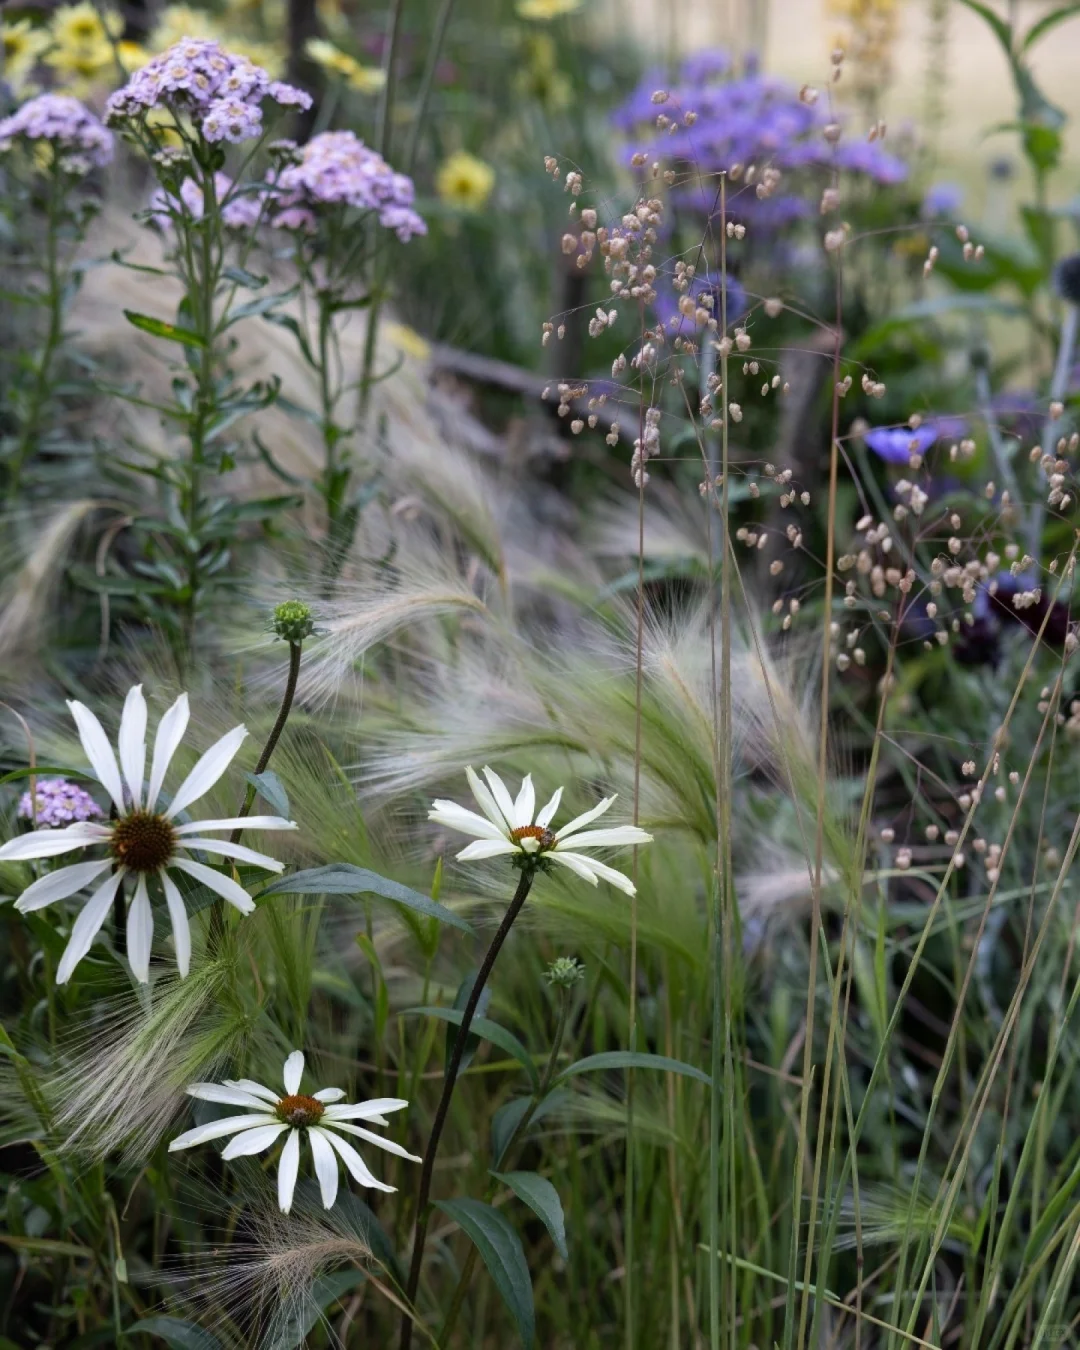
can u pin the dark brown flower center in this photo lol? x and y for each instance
(143, 842)
(545, 838)
(299, 1110)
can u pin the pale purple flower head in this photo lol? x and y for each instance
(942, 199)
(74, 132)
(231, 119)
(896, 445)
(337, 168)
(58, 803)
(220, 92)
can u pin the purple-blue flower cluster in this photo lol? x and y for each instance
(56, 803)
(896, 445)
(221, 93)
(337, 169)
(74, 132)
(747, 119)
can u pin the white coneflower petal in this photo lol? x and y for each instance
(379, 1106)
(85, 928)
(99, 752)
(467, 822)
(217, 1129)
(328, 1095)
(253, 1141)
(602, 870)
(485, 800)
(358, 1169)
(586, 817)
(326, 1168)
(387, 1145)
(293, 1072)
(140, 932)
(51, 843)
(170, 733)
(580, 866)
(237, 823)
(208, 769)
(545, 816)
(610, 838)
(525, 803)
(229, 1096)
(288, 1167)
(256, 1089)
(218, 882)
(229, 850)
(486, 848)
(502, 797)
(180, 926)
(59, 885)
(131, 742)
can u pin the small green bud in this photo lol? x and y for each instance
(293, 621)
(565, 971)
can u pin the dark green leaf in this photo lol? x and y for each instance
(269, 787)
(543, 1199)
(346, 879)
(43, 769)
(488, 1031)
(159, 328)
(633, 1059)
(501, 1251)
(472, 1042)
(1048, 21)
(326, 1290)
(177, 1333)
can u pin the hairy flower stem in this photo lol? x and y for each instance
(420, 1223)
(217, 910)
(465, 1278)
(54, 333)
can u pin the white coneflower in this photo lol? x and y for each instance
(143, 841)
(507, 826)
(270, 1115)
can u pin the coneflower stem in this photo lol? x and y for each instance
(423, 1193)
(217, 912)
(295, 649)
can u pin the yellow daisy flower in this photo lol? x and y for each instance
(409, 341)
(180, 21)
(465, 181)
(365, 79)
(22, 44)
(82, 26)
(132, 56)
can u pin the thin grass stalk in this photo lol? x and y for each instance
(819, 841)
(427, 82)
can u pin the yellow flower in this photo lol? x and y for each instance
(366, 79)
(181, 21)
(81, 65)
(82, 26)
(132, 56)
(409, 341)
(465, 181)
(543, 10)
(21, 44)
(539, 76)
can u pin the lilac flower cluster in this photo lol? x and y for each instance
(221, 93)
(57, 803)
(336, 168)
(748, 119)
(239, 211)
(74, 132)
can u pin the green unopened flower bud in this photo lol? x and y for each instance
(565, 971)
(293, 621)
